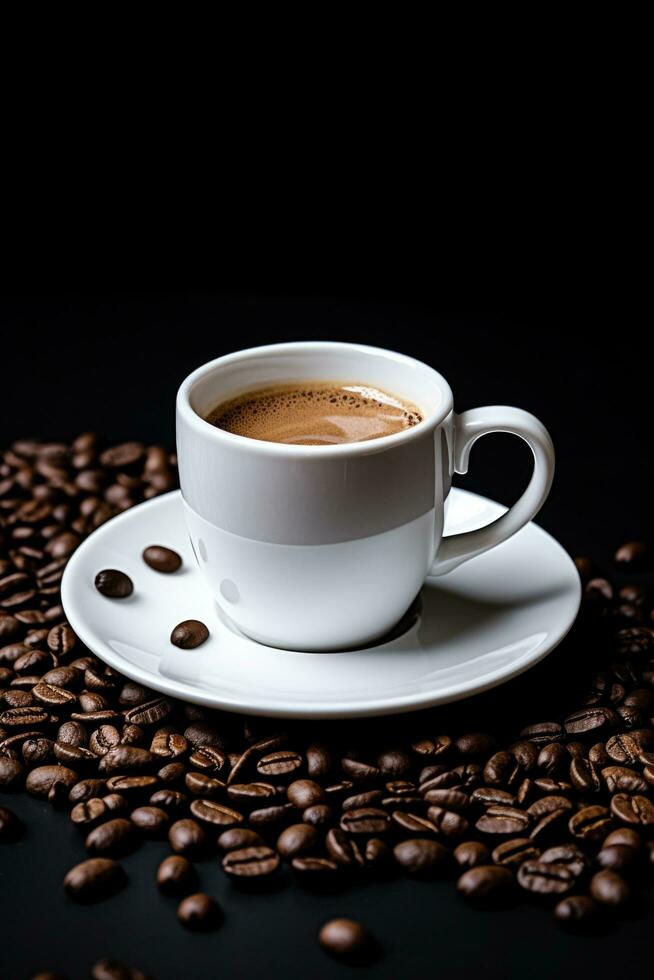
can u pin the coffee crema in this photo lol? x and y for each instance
(315, 413)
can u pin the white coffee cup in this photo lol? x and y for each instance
(325, 547)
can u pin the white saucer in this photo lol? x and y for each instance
(482, 624)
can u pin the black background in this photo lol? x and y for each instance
(111, 361)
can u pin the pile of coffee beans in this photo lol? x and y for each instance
(547, 800)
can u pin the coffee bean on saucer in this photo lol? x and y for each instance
(189, 634)
(199, 912)
(162, 559)
(176, 875)
(94, 879)
(114, 584)
(345, 939)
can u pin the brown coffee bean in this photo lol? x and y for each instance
(280, 763)
(617, 857)
(299, 838)
(251, 862)
(626, 836)
(619, 779)
(365, 821)
(88, 813)
(41, 780)
(484, 795)
(113, 838)
(199, 913)
(11, 773)
(471, 853)
(149, 713)
(216, 814)
(344, 851)
(11, 827)
(635, 554)
(422, 858)
(591, 719)
(435, 746)
(545, 879)
(503, 820)
(345, 939)
(569, 855)
(609, 888)
(176, 875)
(189, 634)
(61, 639)
(637, 810)
(86, 789)
(126, 759)
(162, 559)
(512, 853)
(360, 800)
(319, 760)
(623, 748)
(485, 883)
(94, 879)
(168, 744)
(584, 776)
(453, 799)
(305, 792)
(152, 821)
(238, 838)
(187, 837)
(591, 823)
(114, 584)
(576, 911)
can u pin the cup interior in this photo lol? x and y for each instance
(247, 370)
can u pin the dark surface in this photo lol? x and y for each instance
(113, 364)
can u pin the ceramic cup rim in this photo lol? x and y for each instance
(295, 452)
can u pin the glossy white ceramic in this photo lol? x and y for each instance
(470, 630)
(321, 547)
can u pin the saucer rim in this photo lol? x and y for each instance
(308, 710)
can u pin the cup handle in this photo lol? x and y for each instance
(468, 427)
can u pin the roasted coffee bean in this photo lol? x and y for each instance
(114, 584)
(422, 858)
(547, 804)
(189, 634)
(113, 970)
(438, 745)
(94, 879)
(238, 838)
(344, 851)
(86, 789)
(319, 815)
(74, 755)
(637, 810)
(609, 888)
(126, 759)
(169, 799)
(319, 760)
(452, 799)
(584, 776)
(634, 554)
(591, 720)
(569, 854)
(199, 913)
(359, 772)
(512, 853)
(251, 862)
(217, 814)
(162, 559)
(345, 939)
(635, 641)
(598, 755)
(543, 732)
(11, 827)
(619, 779)
(270, 816)
(250, 793)
(209, 758)
(37, 751)
(503, 820)
(280, 763)
(176, 875)
(299, 838)
(545, 879)
(617, 857)
(591, 823)
(305, 792)
(187, 837)
(53, 696)
(360, 800)
(61, 639)
(502, 770)
(103, 739)
(394, 763)
(199, 784)
(552, 758)
(41, 780)
(131, 785)
(623, 748)
(413, 823)
(448, 824)
(88, 813)
(485, 883)
(112, 839)
(173, 772)
(471, 853)
(576, 911)
(626, 836)
(11, 773)
(30, 717)
(483, 795)
(150, 712)
(63, 677)
(150, 820)
(367, 820)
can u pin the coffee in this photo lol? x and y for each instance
(315, 414)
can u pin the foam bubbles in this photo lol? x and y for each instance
(315, 414)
